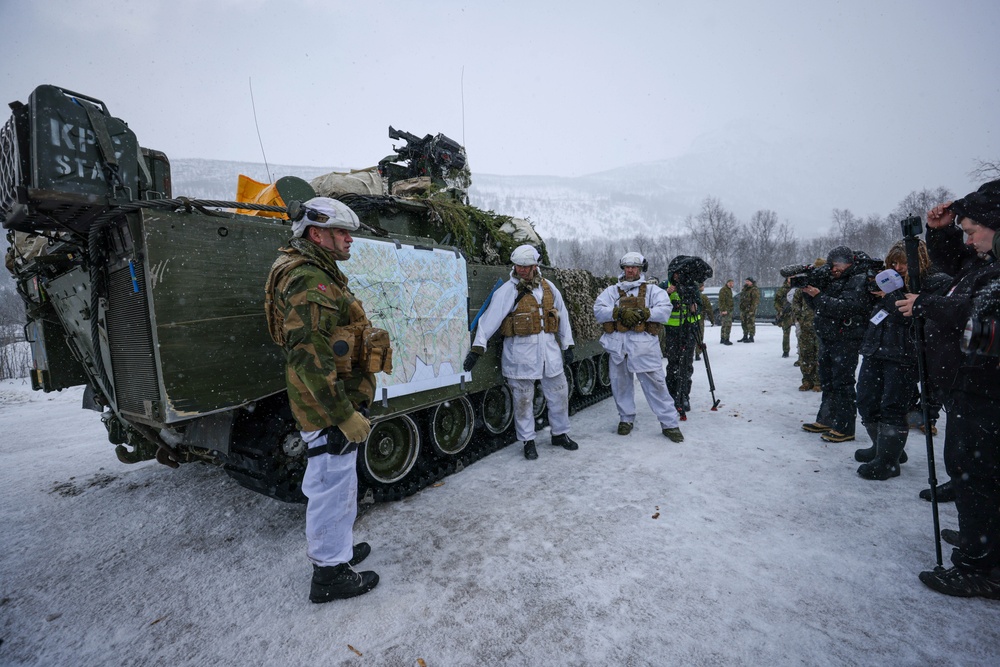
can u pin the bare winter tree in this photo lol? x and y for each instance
(765, 246)
(714, 232)
(986, 170)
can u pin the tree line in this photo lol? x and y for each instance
(759, 247)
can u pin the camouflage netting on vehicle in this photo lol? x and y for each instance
(580, 290)
(495, 244)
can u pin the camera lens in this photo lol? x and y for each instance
(980, 336)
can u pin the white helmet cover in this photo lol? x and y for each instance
(326, 212)
(524, 255)
(631, 259)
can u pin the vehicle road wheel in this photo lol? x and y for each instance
(538, 406)
(586, 377)
(498, 409)
(391, 450)
(604, 370)
(451, 426)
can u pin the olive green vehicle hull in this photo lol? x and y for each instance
(157, 305)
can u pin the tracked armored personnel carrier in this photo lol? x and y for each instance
(155, 302)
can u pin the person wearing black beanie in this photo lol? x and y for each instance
(970, 385)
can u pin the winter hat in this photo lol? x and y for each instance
(524, 255)
(983, 206)
(750, 278)
(325, 212)
(840, 255)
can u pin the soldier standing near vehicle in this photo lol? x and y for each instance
(749, 300)
(783, 310)
(312, 314)
(530, 314)
(632, 314)
(726, 305)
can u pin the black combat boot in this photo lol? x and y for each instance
(563, 440)
(784, 355)
(750, 339)
(685, 404)
(742, 340)
(867, 454)
(945, 493)
(624, 428)
(891, 440)
(727, 342)
(339, 582)
(530, 452)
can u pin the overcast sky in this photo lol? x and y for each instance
(895, 92)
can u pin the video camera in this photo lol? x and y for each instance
(820, 277)
(687, 273)
(982, 331)
(803, 275)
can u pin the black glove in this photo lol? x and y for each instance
(568, 355)
(470, 360)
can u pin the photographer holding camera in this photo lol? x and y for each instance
(888, 377)
(841, 304)
(970, 382)
(681, 335)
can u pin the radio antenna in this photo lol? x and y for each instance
(259, 140)
(463, 106)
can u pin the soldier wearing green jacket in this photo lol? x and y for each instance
(706, 314)
(802, 314)
(313, 315)
(726, 306)
(783, 309)
(749, 300)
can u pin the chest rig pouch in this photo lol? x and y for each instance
(525, 320)
(637, 302)
(360, 346)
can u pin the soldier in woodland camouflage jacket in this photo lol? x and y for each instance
(726, 306)
(312, 314)
(805, 332)
(749, 300)
(783, 309)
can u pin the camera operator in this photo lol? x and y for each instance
(841, 309)
(680, 335)
(888, 376)
(970, 385)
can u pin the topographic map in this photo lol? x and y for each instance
(420, 296)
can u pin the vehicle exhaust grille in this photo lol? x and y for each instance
(131, 341)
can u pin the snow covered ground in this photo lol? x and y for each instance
(751, 543)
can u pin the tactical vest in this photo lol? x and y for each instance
(637, 303)
(525, 319)
(356, 346)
